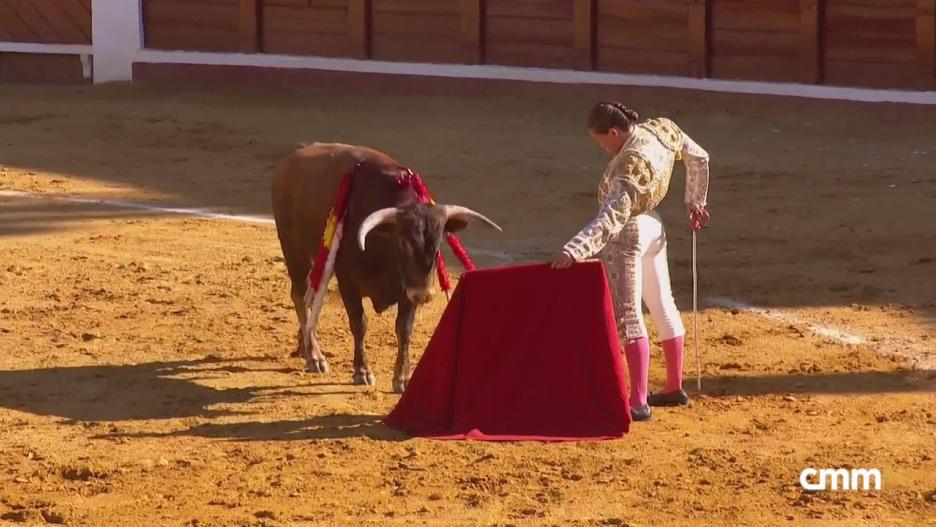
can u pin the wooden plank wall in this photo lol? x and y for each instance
(755, 39)
(202, 25)
(644, 37)
(871, 43)
(328, 28)
(536, 33)
(45, 21)
(846, 42)
(32, 68)
(419, 31)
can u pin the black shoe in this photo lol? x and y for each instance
(641, 413)
(677, 398)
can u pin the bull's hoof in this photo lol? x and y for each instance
(317, 365)
(399, 385)
(364, 378)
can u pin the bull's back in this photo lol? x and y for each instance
(305, 186)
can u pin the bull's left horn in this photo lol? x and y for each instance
(371, 222)
(465, 214)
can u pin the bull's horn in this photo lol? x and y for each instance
(377, 218)
(465, 214)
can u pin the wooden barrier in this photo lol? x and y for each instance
(419, 31)
(202, 25)
(634, 36)
(537, 33)
(871, 43)
(756, 39)
(44, 22)
(877, 43)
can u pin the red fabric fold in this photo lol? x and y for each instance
(521, 353)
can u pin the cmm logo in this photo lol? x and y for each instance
(840, 479)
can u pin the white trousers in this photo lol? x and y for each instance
(636, 267)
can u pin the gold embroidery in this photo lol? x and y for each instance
(641, 172)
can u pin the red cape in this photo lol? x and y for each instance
(521, 353)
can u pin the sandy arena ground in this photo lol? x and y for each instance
(145, 377)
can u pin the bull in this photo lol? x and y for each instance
(388, 254)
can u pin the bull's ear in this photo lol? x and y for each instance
(456, 225)
(384, 230)
(458, 218)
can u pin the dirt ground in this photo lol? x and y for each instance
(145, 378)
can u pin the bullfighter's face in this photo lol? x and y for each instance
(612, 141)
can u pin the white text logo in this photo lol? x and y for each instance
(840, 479)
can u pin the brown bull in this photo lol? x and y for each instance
(387, 253)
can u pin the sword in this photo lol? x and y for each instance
(695, 312)
(699, 220)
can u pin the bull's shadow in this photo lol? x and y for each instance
(121, 392)
(338, 426)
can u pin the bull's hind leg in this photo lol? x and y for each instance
(358, 322)
(308, 346)
(297, 264)
(406, 313)
(302, 315)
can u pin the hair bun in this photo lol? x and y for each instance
(611, 114)
(630, 114)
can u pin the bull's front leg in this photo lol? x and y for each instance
(406, 314)
(358, 322)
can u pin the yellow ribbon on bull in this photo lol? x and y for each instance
(330, 227)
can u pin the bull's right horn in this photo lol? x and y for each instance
(377, 218)
(465, 214)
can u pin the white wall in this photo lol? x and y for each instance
(117, 37)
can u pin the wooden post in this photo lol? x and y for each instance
(249, 26)
(926, 42)
(359, 18)
(585, 35)
(811, 56)
(472, 30)
(699, 52)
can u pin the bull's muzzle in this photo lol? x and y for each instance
(419, 296)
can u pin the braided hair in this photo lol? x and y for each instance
(611, 114)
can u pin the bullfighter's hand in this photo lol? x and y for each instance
(563, 261)
(698, 217)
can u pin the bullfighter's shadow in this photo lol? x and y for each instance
(831, 383)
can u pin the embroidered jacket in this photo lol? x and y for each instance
(637, 179)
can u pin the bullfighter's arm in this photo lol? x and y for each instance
(696, 160)
(614, 212)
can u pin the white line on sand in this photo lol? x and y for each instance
(201, 213)
(786, 318)
(918, 354)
